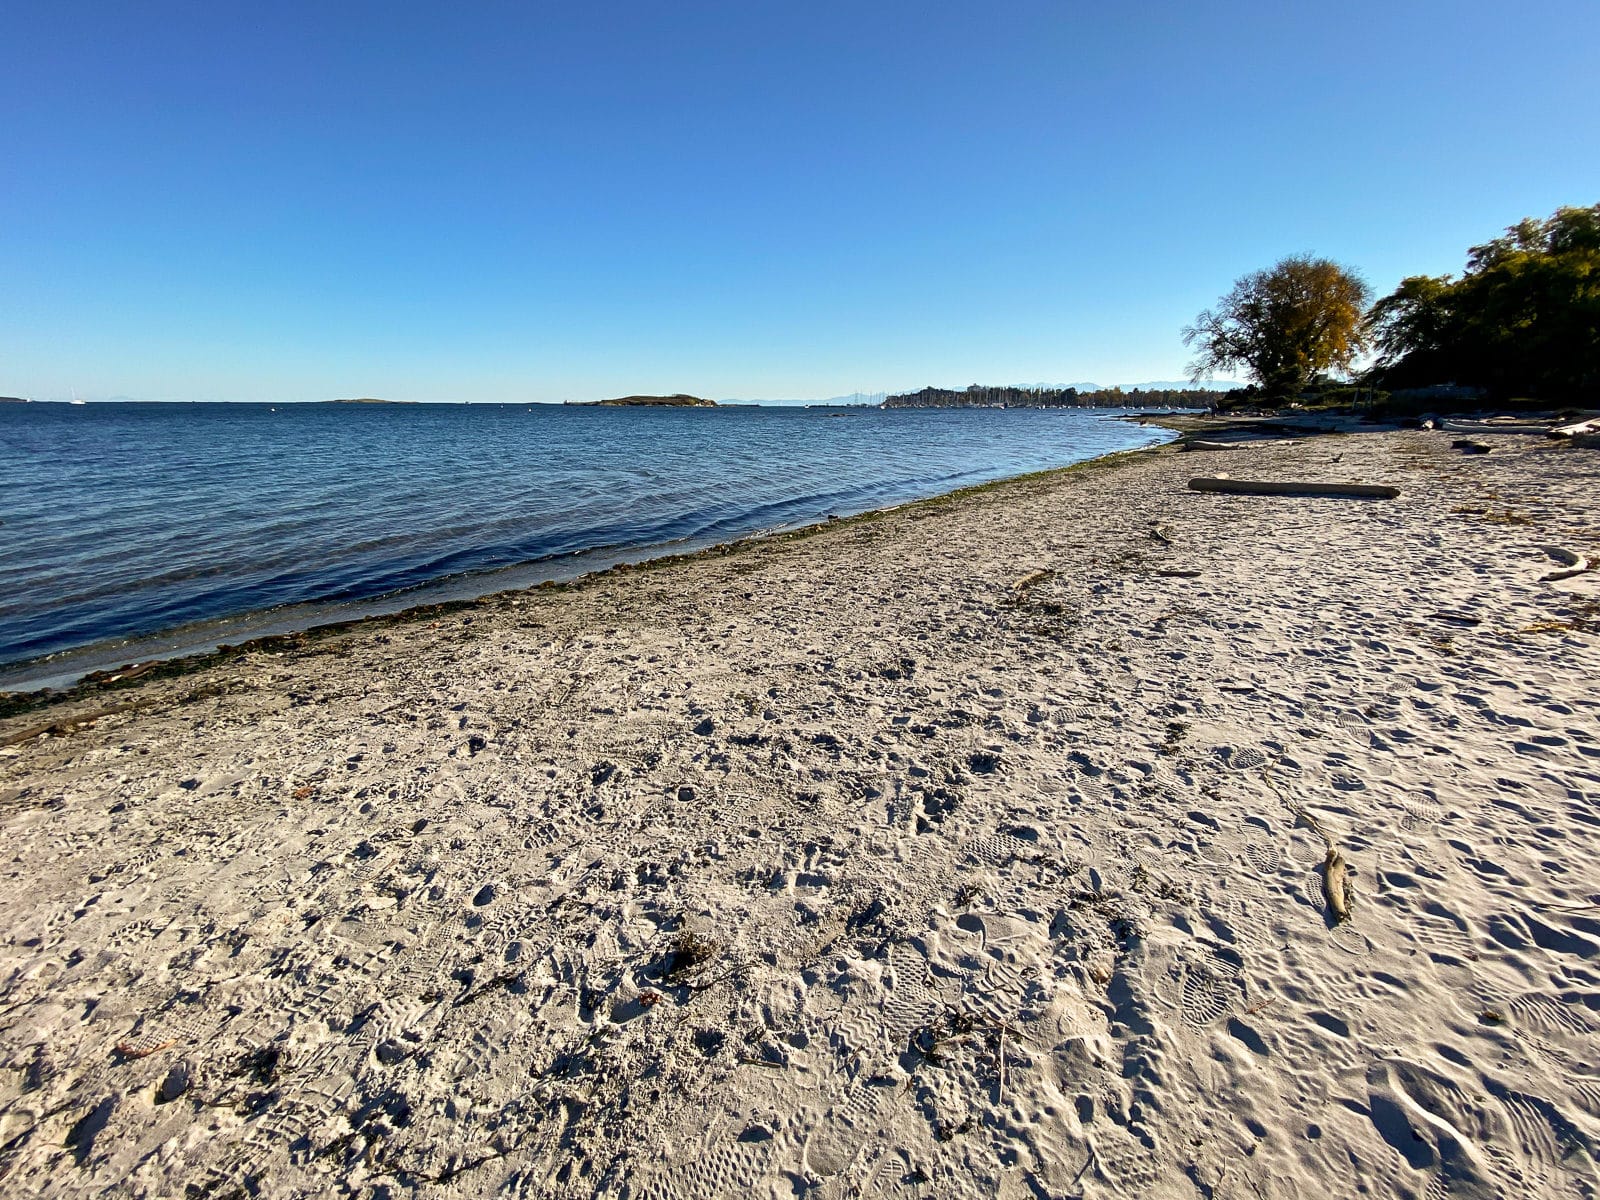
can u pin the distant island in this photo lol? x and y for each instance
(978, 396)
(369, 400)
(13, 400)
(678, 401)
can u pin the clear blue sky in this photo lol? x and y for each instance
(538, 201)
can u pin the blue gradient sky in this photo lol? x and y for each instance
(542, 201)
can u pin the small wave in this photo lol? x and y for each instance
(142, 523)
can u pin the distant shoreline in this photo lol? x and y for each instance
(680, 400)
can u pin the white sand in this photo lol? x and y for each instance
(998, 896)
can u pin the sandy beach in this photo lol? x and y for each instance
(986, 847)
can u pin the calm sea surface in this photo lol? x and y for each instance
(200, 523)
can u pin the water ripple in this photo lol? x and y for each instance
(127, 519)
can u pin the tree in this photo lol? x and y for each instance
(1523, 320)
(1284, 325)
(1414, 325)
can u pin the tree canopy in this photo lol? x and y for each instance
(1523, 320)
(1284, 325)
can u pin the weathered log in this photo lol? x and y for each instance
(1577, 428)
(1494, 426)
(1248, 487)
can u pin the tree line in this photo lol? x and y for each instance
(979, 396)
(1522, 320)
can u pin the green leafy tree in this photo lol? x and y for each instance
(1524, 319)
(1414, 324)
(1284, 325)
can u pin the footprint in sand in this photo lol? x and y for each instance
(1551, 1015)
(1212, 986)
(1245, 758)
(1124, 1165)
(1093, 790)
(841, 1134)
(1350, 939)
(912, 1003)
(1421, 811)
(1264, 858)
(997, 849)
(1549, 1141)
(727, 1170)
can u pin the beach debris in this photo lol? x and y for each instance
(1493, 425)
(175, 1084)
(144, 1049)
(690, 950)
(1247, 487)
(1576, 429)
(1202, 444)
(1000, 1087)
(1021, 586)
(1575, 564)
(1562, 555)
(264, 1064)
(1336, 886)
(68, 725)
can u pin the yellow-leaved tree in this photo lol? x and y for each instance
(1284, 325)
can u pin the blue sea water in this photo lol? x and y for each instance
(123, 521)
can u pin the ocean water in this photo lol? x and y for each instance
(131, 530)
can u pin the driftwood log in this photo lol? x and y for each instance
(1576, 564)
(1576, 429)
(1248, 487)
(1495, 426)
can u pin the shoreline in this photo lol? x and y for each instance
(202, 652)
(976, 847)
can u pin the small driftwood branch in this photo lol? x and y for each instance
(1575, 563)
(1032, 577)
(64, 726)
(1335, 871)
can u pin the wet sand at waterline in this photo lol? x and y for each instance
(984, 847)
